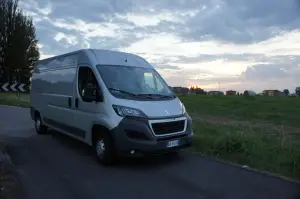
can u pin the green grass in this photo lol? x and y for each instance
(258, 147)
(13, 99)
(278, 110)
(261, 132)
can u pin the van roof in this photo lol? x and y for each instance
(111, 57)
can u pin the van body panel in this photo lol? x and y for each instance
(153, 109)
(52, 85)
(57, 95)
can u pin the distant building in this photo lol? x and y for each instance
(181, 90)
(297, 91)
(249, 93)
(231, 92)
(273, 93)
(215, 93)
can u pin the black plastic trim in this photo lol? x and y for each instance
(70, 129)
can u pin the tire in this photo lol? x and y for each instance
(104, 150)
(39, 127)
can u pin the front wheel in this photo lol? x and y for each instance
(104, 150)
(39, 127)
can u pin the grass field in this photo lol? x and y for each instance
(14, 99)
(261, 132)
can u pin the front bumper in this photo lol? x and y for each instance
(135, 135)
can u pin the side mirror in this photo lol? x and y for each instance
(99, 96)
(92, 94)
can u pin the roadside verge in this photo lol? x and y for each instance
(10, 186)
(12, 99)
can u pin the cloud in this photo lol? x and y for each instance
(241, 21)
(279, 68)
(240, 44)
(169, 67)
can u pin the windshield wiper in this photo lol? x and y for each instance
(156, 95)
(142, 95)
(121, 91)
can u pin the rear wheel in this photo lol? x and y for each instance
(39, 127)
(104, 149)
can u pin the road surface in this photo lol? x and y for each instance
(55, 166)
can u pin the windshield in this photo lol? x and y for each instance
(134, 82)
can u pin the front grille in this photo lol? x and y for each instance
(168, 127)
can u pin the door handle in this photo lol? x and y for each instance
(69, 101)
(76, 102)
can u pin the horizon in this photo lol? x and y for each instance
(216, 89)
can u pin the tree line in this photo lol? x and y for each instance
(198, 90)
(18, 44)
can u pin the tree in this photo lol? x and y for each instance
(297, 91)
(200, 91)
(197, 90)
(286, 92)
(18, 45)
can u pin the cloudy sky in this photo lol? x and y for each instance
(237, 44)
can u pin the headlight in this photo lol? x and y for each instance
(127, 111)
(182, 108)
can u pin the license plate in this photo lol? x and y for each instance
(173, 143)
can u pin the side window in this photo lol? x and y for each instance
(86, 82)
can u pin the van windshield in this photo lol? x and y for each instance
(135, 82)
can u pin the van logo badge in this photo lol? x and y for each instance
(166, 112)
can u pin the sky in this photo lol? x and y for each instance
(227, 44)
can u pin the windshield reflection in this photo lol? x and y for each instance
(135, 81)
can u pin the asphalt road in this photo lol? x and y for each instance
(55, 166)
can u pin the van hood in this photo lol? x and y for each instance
(152, 109)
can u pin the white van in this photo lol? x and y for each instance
(114, 101)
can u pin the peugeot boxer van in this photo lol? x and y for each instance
(115, 102)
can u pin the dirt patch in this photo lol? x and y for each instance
(10, 186)
(3, 145)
